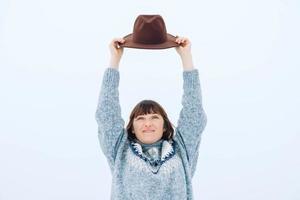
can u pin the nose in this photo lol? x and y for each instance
(148, 123)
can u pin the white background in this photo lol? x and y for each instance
(52, 58)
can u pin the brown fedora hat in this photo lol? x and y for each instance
(149, 32)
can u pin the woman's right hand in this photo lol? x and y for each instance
(116, 51)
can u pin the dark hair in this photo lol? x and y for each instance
(149, 107)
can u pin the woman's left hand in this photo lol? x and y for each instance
(184, 50)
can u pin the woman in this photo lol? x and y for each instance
(149, 159)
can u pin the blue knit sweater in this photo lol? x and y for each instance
(134, 177)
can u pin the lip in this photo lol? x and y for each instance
(145, 131)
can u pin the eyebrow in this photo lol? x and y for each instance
(153, 115)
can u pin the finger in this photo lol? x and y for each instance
(115, 44)
(121, 40)
(181, 39)
(118, 45)
(118, 40)
(182, 43)
(178, 39)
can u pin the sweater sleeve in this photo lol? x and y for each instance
(108, 115)
(192, 119)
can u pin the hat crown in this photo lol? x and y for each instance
(149, 29)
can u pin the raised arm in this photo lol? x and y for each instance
(192, 119)
(108, 113)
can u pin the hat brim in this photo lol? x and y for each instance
(129, 43)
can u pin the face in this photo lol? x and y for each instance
(148, 128)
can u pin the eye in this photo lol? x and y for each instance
(139, 118)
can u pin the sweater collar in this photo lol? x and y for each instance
(167, 149)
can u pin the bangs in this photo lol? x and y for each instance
(146, 107)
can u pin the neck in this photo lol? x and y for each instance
(152, 144)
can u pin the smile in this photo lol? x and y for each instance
(148, 131)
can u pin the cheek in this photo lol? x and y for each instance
(136, 126)
(161, 124)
